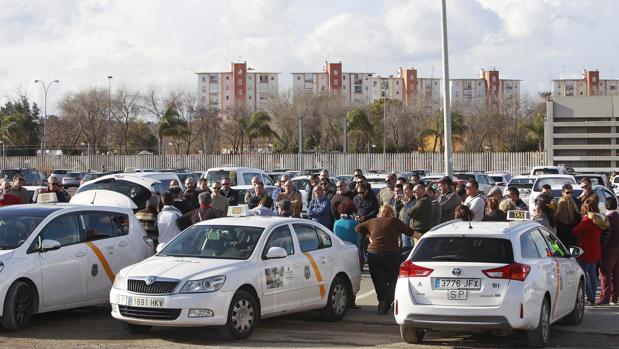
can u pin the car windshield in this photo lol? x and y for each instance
(543, 171)
(464, 176)
(522, 183)
(15, 230)
(136, 192)
(214, 241)
(497, 178)
(217, 175)
(553, 182)
(59, 172)
(463, 249)
(8, 174)
(594, 180)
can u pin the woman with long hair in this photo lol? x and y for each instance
(493, 214)
(566, 216)
(544, 215)
(463, 213)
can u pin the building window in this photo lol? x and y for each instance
(343, 77)
(227, 87)
(240, 71)
(203, 79)
(249, 97)
(264, 79)
(240, 82)
(335, 72)
(212, 79)
(227, 78)
(227, 98)
(299, 78)
(239, 93)
(248, 77)
(203, 88)
(374, 83)
(358, 89)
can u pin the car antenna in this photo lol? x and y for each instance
(470, 226)
(95, 196)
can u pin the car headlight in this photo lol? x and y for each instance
(119, 281)
(210, 284)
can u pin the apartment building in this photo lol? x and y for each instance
(353, 87)
(582, 132)
(409, 89)
(589, 85)
(488, 88)
(239, 86)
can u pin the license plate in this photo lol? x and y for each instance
(457, 284)
(144, 302)
(456, 294)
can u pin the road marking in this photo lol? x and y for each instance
(367, 294)
(106, 265)
(321, 286)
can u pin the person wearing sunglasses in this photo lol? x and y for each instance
(229, 193)
(566, 216)
(587, 189)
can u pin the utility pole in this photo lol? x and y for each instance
(446, 92)
(109, 113)
(301, 142)
(45, 89)
(385, 116)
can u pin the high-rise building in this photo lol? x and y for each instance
(589, 85)
(488, 88)
(240, 86)
(353, 87)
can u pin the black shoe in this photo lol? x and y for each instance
(382, 308)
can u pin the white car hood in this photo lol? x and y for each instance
(102, 197)
(183, 268)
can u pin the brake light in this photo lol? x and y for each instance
(514, 271)
(409, 269)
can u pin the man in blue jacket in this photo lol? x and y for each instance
(319, 209)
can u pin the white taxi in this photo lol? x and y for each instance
(489, 276)
(237, 271)
(63, 256)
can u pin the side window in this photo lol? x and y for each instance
(308, 240)
(247, 176)
(540, 243)
(120, 222)
(280, 237)
(556, 246)
(482, 180)
(64, 229)
(325, 239)
(97, 226)
(528, 249)
(490, 180)
(267, 180)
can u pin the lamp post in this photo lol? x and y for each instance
(385, 86)
(109, 112)
(446, 91)
(45, 89)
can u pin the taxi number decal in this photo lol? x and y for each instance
(104, 263)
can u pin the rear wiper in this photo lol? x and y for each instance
(448, 257)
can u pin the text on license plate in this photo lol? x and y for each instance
(457, 284)
(140, 301)
(456, 294)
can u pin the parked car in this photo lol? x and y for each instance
(500, 178)
(138, 189)
(59, 173)
(56, 257)
(493, 276)
(546, 170)
(237, 175)
(524, 184)
(555, 181)
(233, 272)
(483, 180)
(89, 176)
(72, 179)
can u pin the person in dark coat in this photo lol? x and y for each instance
(493, 214)
(566, 216)
(229, 193)
(366, 203)
(190, 196)
(254, 200)
(179, 203)
(421, 212)
(343, 194)
(202, 213)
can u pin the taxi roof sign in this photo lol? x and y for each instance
(518, 215)
(47, 198)
(237, 211)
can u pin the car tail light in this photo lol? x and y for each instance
(514, 271)
(409, 269)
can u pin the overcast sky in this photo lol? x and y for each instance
(164, 42)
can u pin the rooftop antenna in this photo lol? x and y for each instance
(470, 226)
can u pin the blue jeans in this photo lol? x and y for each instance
(591, 278)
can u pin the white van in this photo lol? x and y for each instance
(237, 175)
(551, 170)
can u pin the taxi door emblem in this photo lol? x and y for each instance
(307, 272)
(149, 280)
(456, 271)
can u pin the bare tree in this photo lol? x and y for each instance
(125, 110)
(88, 109)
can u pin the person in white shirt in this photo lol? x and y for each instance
(264, 208)
(474, 200)
(166, 219)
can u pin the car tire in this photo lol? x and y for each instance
(243, 315)
(576, 316)
(337, 302)
(412, 335)
(539, 337)
(18, 306)
(135, 328)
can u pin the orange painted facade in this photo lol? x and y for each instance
(334, 72)
(239, 79)
(592, 81)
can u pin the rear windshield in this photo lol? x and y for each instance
(543, 171)
(137, 193)
(216, 176)
(463, 249)
(553, 182)
(464, 176)
(522, 183)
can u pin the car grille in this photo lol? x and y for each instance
(157, 287)
(149, 313)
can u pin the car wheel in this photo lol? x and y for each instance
(412, 335)
(576, 316)
(337, 302)
(18, 307)
(540, 336)
(135, 328)
(243, 315)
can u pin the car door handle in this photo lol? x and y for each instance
(123, 243)
(80, 254)
(330, 258)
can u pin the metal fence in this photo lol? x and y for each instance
(338, 163)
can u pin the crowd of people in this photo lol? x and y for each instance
(384, 225)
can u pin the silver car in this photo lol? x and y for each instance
(72, 179)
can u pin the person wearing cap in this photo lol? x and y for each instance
(19, 190)
(53, 186)
(217, 200)
(447, 198)
(202, 213)
(386, 196)
(284, 208)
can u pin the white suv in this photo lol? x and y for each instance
(491, 276)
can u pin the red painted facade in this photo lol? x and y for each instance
(239, 79)
(592, 81)
(492, 83)
(334, 72)
(409, 77)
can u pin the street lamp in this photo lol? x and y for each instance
(109, 112)
(385, 86)
(45, 89)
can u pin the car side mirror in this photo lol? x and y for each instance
(160, 246)
(276, 252)
(49, 245)
(576, 251)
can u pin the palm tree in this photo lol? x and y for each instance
(257, 125)
(536, 130)
(171, 125)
